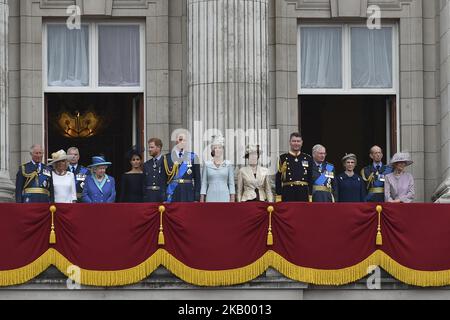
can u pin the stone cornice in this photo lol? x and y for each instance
(390, 8)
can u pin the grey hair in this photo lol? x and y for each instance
(317, 147)
(73, 149)
(34, 146)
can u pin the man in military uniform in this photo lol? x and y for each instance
(154, 173)
(79, 172)
(293, 179)
(374, 175)
(34, 179)
(323, 176)
(183, 173)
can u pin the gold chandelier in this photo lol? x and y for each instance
(79, 125)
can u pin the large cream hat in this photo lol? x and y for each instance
(58, 156)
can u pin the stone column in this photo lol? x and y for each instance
(6, 186)
(442, 194)
(228, 71)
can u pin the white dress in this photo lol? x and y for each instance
(64, 186)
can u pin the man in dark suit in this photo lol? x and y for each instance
(34, 181)
(323, 177)
(155, 178)
(183, 173)
(79, 172)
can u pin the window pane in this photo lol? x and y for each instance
(371, 58)
(119, 56)
(67, 56)
(321, 57)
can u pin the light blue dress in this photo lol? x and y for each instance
(218, 183)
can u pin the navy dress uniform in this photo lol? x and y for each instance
(294, 177)
(80, 173)
(374, 177)
(324, 183)
(183, 177)
(34, 184)
(155, 180)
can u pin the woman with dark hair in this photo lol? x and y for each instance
(132, 181)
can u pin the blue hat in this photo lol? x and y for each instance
(99, 161)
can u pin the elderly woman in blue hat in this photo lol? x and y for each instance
(99, 187)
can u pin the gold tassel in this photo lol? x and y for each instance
(161, 240)
(52, 232)
(270, 209)
(379, 240)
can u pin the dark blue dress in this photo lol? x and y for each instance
(351, 189)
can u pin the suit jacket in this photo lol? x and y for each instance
(184, 192)
(154, 177)
(42, 179)
(247, 184)
(323, 196)
(92, 194)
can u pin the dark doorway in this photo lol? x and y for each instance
(96, 123)
(347, 124)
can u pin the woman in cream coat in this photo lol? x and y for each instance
(253, 180)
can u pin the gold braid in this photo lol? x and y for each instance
(170, 173)
(29, 176)
(282, 169)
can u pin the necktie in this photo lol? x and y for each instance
(72, 168)
(180, 155)
(378, 168)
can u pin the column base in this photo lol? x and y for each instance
(442, 194)
(6, 187)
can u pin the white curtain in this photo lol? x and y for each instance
(321, 57)
(67, 56)
(119, 56)
(371, 58)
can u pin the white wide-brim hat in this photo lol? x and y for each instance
(58, 156)
(402, 157)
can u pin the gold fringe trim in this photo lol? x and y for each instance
(227, 277)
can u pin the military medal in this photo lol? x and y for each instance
(296, 159)
(305, 164)
(189, 170)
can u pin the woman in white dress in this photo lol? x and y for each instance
(63, 180)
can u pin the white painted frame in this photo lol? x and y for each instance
(346, 72)
(93, 61)
(346, 64)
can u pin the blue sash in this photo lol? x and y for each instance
(321, 180)
(173, 185)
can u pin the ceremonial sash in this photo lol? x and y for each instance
(174, 184)
(321, 180)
